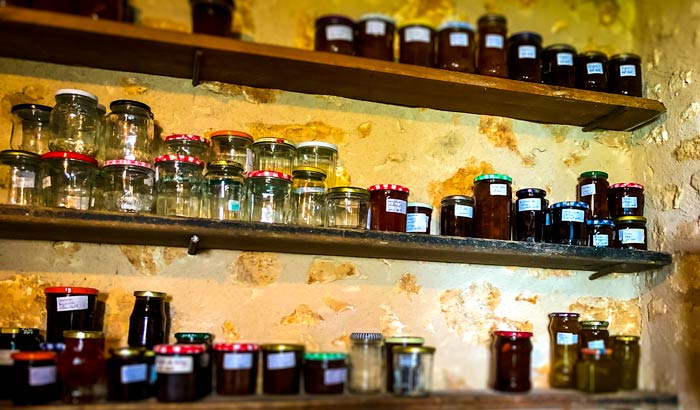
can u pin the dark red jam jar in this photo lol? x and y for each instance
(625, 75)
(626, 200)
(559, 65)
(34, 378)
(631, 232)
(82, 365)
(569, 223)
(512, 351)
(202, 339)
(601, 233)
(282, 364)
(592, 71)
(236, 368)
(148, 322)
(335, 34)
(525, 57)
(592, 189)
(418, 218)
(374, 37)
(212, 17)
(530, 208)
(128, 375)
(325, 373)
(179, 370)
(388, 206)
(417, 45)
(457, 216)
(13, 340)
(492, 213)
(69, 308)
(456, 47)
(492, 57)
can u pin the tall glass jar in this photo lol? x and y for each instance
(375, 36)
(30, 128)
(592, 71)
(492, 46)
(456, 47)
(148, 321)
(389, 344)
(179, 184)
(593, 190)
(417, 45)
(188, 145)
(128, 186)
(512, 352)
(457, 216)
(594, 334)
(335, 34)
(130, 131)
(347, 207)
(388, 207)
(492, 213)
(269, 197)
(33, 379)
(596, 371)
(69, 179)
(365, 363)
(74, 123)
(212, 17)
(231, 145)
(274, 154)
(626, 357)
(563, 349)
(225, 187)
(413, 370)
(559, 65)
(319, 154)
(525, 57)
(530, 214)
(20, 178)
(625, 74)
(309, 196)
(81, 365)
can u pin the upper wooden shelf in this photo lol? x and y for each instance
(73, 40)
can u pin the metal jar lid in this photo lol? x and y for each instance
(150, 294)
(273, 140)
(456, 200)
(83, 334)
(570, 204)
(498, 177)
(70, 155)
(231, 133)
(340, 190)
(282, 347)
(324, 356)
(594, 174)
(404, 340)
(628, 219)
(594, 324)
(412, 350)
(360, 336)
(309, 172)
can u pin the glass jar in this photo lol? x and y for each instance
(129, 132)
(493, 195)
(388, 204)
(103, 9)
(60, 6)
(596, 372)
(413, 370)
(13, 340)
(33, 379)
(492, 51)
(73, 123)
(365, 363)
(558, 65)
(530, 214)
(347, 207)
(456, 47)
(274, 154)
(593, 190)
(225, 191)
(69, 180)
(236, 368)
(205, 378)
(625, 75)
(30, 128)
(281, 366)
(525, 57)
(20, 178)
(594, 334)
(563, 349)
(512, 351)
(631, 232)
(601, 233)
(325, 373)
(179, 369)
(335, 34)
(213, 17)
(321, 155)
(626, 354)
(309, 196)
(236, 146)
(269, 197)
(389, 344)
(101, 131)
(417, 45)
(81, 365)
(457, 216)
(69, 308)
(148, 321)
(569, 223)
(375, 36)
(626, 200)
(547, 235)
(128, 375)
(592, 71)
(179, 185)
(188, 145)
(128, 186)
(418, 218)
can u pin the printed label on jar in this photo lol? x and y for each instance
(248, 160)
(279, 361)
(600, 241)
(375, 28)
(6, 357)
(41, 376)
(464, 211)
(632, 236)
(46, 182)
(416, 223)
(588, 190)
(408, 360)
(628, 71)
(573, 215)
(338, 32)
(459, 40)
(629, 201)
(134, 373)
(417, 35)
(594, 68)
(527, 52)
(68, 303)
(334, 377)
(233, 206)
(174, 365)
(596, 344)
(529, 204)
(267, 215)
(24, 180)
(238, 361)
(498, 190)
(565, 59)
(567, 339)
(396, 206)
(309, 190)
(494, 41)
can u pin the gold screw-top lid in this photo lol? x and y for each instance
(83, 334)
(150, 294)
(282, 347)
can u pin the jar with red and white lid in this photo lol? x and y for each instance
(69, 179)
(236, 368)
(626, 200)
(128, 186)
(179, 185)
(269, 197)
(179, 369)
(188, 145)
(388, 205)
(231, 145)
(274, 154)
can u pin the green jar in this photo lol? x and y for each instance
(626, 357)
(596, 372)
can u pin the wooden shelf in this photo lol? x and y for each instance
(73, 40)
(56, 224)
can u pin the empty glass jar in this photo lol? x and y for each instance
(413, 370)
(309, 196)
(128, 186)
(179, 183)
(365, 363)
(30, 128)
(74, 123)
(188, 145)
(275, 154)
(225, 191)
(20, 178)
(347, 207)
(319, 154)
(69, 179)
(236, 146)
(129, 132)
(269, 197)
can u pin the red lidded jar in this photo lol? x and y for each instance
(512, 351)
(180, 369)
(236, 368)
(388, 203)
(626, 200)
(69, 308)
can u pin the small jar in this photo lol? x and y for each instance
(525, 57)
(457, 216)
(530, 214)
(33, 379)
(269, 197)
(213, 17)
(325, 373)
(236, 146)
(130, 131)
(74, 123)
(274, 154)
(601, 233)
(456, 47)
(365, 363)
(20, 178)
(493, 195)
(558, 65)
(417, 45)
(418, 218)
(631, 232)
(569, 223)
(69, 180)
(625, 75)
(179, 185)
(593, 190)
(128, 375)
(592, 71)
(492, 51)
(148, 321)
(81, 365)
(236, 368)
(179, 369)
(309, 196)
(626, 200)
(128, 186)
(188, 145)
(389, 344)
(282, 364)
(413, 370)
(512, 351)
(563, 349)
(594, 334)
(205, 379)
(321, 155)
(626, 357)
(13, 340)
(225, 191)
(30, 128)
(347, 208)
(103, 9)
(69, 308)
(335, 34)
(375, 37)
(596, 372)
(388, 207)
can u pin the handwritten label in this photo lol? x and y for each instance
(498, 189)
(494, 41)
(238, 361)
(573, 215)
(594, 68)
(41, 376)
(417, 35)
(334, 377)
(565, 59)
(459, 40)
(529, 204)
(416, 223)
(375, 28)
(464, 211)
(628, 71)
(567, 339)
(174, 365)
(588, 190)
(69, 303)
(632, 236)
(338, 32)
(134, 373)
(600, 241)
(279, 361)
(396, 206)
(527, 52)
(629, 201)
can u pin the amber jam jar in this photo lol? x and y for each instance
(525, 57)
(492, 213)
(212, 17)
(457, 216)
(179, 370)
(236, 368)
(626, 357)
(558, 65)
(388, 206)
(418, 218)
(626, 200)
(563, 349)
(33, 378)
(335, 34)
(601, 233)
(569, 223)
(625, 75)
(530, 208)
(456, 47)
(596, 371)
(282, 364)
(375, 37)
(128, 375)
(389, 344)
(592, 71)
(594, 334)
(325, 373)
(81, 365)
(492, 59)
(512, 351)
(631, 232)
(69, 308)
(592, 189)
(417, 45)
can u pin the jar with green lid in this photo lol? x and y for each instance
(563, 349)
(492, 211)
(626, 356)
(594, 334)
(128, 375)
(365, 363)
(281, 365)
(325, 373)
(13, 340)
(347, 207)
(592, 189)
(225, 191)
(413, 370)
(596, 371)
(308, 196)
(389, 344)
(631, 232)
(274, 154)
(20, 178)
(204, 382)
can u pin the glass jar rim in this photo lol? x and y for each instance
(456, 25)
(404, 340)
(419, 205)
(273, 140)
(451, 199)
(26, 106)
(74, 91)
(21, 156)
(318, 144)
(139, 104)
(69, 155)
(69, 290)
(126, 352)
(412, 349)
(150, 294)
(624, 219)
(339, 190)
(500, 177)
(309, 172)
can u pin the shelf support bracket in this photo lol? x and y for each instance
(196, 66)
(596, 124)
(193, 246)
(620, 267)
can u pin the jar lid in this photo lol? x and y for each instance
(412, 349)
(569, 204)
(236, 347)
(376, 16)
(596, 352)
(594, 324)
(223, 165)
(492, 18)
(187, 137)
(348, 190)
(627, 185)
(232, 133)
(83, 334)
(148, 353)
(319, 144)
(139, 104)
(458, 25)
(70, 155)
(73, 91)
(194, 337)
(37, 107)
(513, 334)
(323, 356)
(34, 356)
(179, 349)
(526, 36)
(273, 140)
(557, 48)
(630, 219)
(70, 290)
(565, 314)
(269, 174)
(126, 352)
(334, 19)
(626, 338)
(359, 336)
(501, 177)
(282, 347)
(419, 205)
(626, 56)
(179, 158)
(150, 294)
(388, 187)
(594, 174)
(531, 191)
(456, 198)
(593, 53)
(600, 222)
(132, 163)
(17, 155)
(312, 172)
(404, 340)
(102, 110)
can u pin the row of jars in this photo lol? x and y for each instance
(118, 10)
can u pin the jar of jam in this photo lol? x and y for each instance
(594, 334)
(626, 357)
(492, 51)
(188, 145)
(625, 75)
(60, 6)
(319, 154)
(347, 207)
(148, 321)
(225, 191)
(525, 57)
(274, 154)
(269, 197)
(128, 375)
(282, 364)
(212, 17)
(493, 195)
(69, 308)
(569, 223)
(325, 373)
(512, 351)
(33, 379)
(20, 178)
(456, 47)
(457, 216)
(13, 340)
(130, 131)
(335, 34)
(365, 363)
(631, 232)
(74, 123)
(81, 365)
(530, 214)
(375, 36)
(418, 218)
(592, 71)
(103, 9)
(389, 204)
(69, 180)
(179, 185)
(417, 45)
(230, 145)
(626, 200)
(204, 382)
(30, 128)
(413, 370)
(389, 344)
(558, 65)
(179, 371)
(601, 233)
(593, 190)
(596, 371)
(563, 349)
(309, 196)
(128, 186)
(236, 368)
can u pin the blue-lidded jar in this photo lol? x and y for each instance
(601, 233)
(569, 223)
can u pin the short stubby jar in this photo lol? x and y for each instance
(225, 191)
(594, 334)
(81, 366)
(457, 216)
(130, 131)
(188, 145)
(512, 353)
(530, 209)
(418, 217)
(231, 145)
(335, 34)
(592, 71)
(128, 375)
(269, 197)
(601, 233)
(179, 370)
(308, 196)
(525, 57)
(34, 378)
(592, 189)
(596, 371)
(559, 65)
(20, 178)
(389, 344)
(569, 223)
(204, 383)
(413, 370)
(374, 37)
(319, 154)
(347, 207)
(69, 180)
(30, 128)
(281, 366)
(128, 186)
(417, 45)
(389, 203)
(625, 75)
(492, 52)
(325, 373)
(74, 123)
(492, 212)
(212, 17)
(179, 185)
(236, 368)
(626, 199)
(13, 340)
(274, 154)
(456, 47)
(69, 308)
(631, 232)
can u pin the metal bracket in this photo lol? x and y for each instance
(595, 124)
(196, 66)
(619, 268)
(193, 246)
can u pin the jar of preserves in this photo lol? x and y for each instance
(20, 178)
(318, 154)
(13, 340)
(236, 368)
(593, 190)
(148, 321)
(389, 204)
(236, 146)
(418, 218)
(631, 232)
(512, 351)
(204, 381)
(179, 185)
(493, 195)
(225, 191)
(492, 51)
(30, 128)
(626, 357)
(325, 373)
(73, 123)
(213, 17)
(188, 145)
(335, 34)
(601, 233)
(457, 216)
(558, 65)
(269, 197)
(569, 223)
(347, 207)
(282, 364)
(596, 372)
(389, 344)
(413, 370)
(375, 36)
(128, 375)
(309, 196)
(103, 9)
(626, 200)
(81, 365)
(275, 154)
(179, 370)
(625, 74)
(33, 379)
(69, 180)
(417, 45)
(525, 57)
(69, 308)
(365, 363)
(592, 71)
(594, 334)
(530, 214)
(60, 6)
(563, 349)
(129, 132)
(456, 47)
(128, 186)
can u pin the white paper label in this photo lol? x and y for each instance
(233, 206)
(596, 344)
(396, 206)
(134, 373)
(628, 71)
(529, 204)
(573, 215)
(459, 40)
(416, 223)
(6, 357)
(567, 339)
(565, 59)
(408, 360)
(68, 303)
(41, 376)
(600, 241)
(148, 181)
(375, 28)
(588, 190)
(248, 160)
(279, 361)
(629, 201)
(465, 211)
(238, 361)
(494, 41)
(594, 68)
(24, 179)
(338, 32)
(334, 377)
(46, 182)
(499, 189)
(174, 365)
(267, 215)
(527, 52)
(417, 35)
(631, 236)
